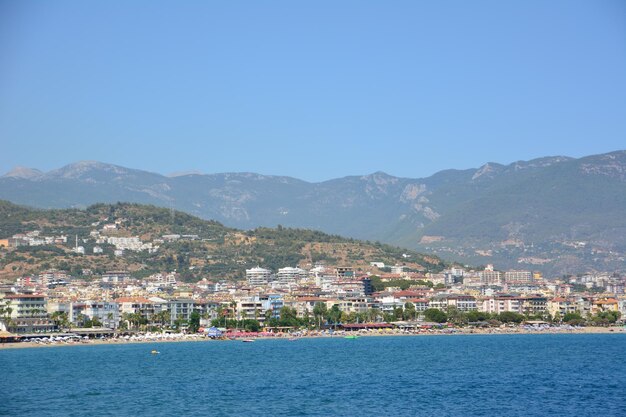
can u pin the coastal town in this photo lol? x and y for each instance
(294, 300)
(281, 208)
(362, 288)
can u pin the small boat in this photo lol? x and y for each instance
(248, 340)
(155, 352)
(351, 336)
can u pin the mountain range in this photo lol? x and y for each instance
(558, 215)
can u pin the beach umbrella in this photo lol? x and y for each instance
(213, 332)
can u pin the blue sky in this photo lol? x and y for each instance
(313, 90)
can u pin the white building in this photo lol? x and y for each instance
(490, 277)
(115, 277)
(398, 269)
(518, 276)
(180, 309)
(250, 308)
(163, 280)
(27, 305)
(258, 276)
(290, 275)
(53, 277)
(105, 312)
(129, 243)
(499, 305)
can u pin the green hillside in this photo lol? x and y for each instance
(206, 248)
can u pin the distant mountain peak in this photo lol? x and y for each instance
(540, 162)
(79, 169)
(379, 176)
(487, 171)
(611, 165)
(184, 173)
(88, 164)
(23, 173)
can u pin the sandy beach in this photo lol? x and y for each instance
(337, 334)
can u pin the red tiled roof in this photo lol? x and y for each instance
(17, 296)
(609, 301)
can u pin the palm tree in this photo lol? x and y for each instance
(233, 306)
(127, 319)
(60, 319)
(139, 320)
(110, 319)
(6, 310)
(81, 319)
(319, 312)
(162, 318)
(220, 312)
(5, 314)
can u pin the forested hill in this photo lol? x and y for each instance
(193, 247)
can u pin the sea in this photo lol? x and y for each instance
(456, 375)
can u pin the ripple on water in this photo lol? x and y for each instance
(403, 376)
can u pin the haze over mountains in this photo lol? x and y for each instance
(554, 214)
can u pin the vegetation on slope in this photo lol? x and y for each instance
(211, 250)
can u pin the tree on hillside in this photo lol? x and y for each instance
(377, 284)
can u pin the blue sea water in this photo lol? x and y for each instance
(478, 375)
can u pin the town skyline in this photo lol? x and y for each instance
(129, 270)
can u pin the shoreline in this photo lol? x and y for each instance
(336, 335)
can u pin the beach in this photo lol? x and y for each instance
(173, 338)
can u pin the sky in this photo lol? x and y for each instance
(313, 90)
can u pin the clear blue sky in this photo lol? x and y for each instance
(314, 90)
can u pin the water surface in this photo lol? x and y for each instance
(480, 375)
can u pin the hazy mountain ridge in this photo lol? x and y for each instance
(523, 210)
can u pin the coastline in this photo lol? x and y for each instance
(336, 335)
